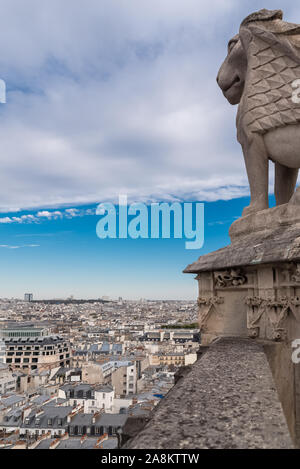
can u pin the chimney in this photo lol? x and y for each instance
(19, 445)
(55, 444)
(74, 412)
(102, 438)
(96, 415)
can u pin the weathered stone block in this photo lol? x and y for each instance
(252, 287)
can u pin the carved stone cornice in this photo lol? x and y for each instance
(230, 278)
(206, 306)
(295, 277)
(276, 311)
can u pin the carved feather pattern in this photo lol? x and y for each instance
(273, 66)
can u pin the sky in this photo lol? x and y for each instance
(108, 98)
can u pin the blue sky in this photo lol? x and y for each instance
(57, 254)
(108, 98)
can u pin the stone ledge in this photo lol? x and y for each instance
(282, 246)
(268, 236)
(228, 400)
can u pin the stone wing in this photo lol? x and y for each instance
(273, 67)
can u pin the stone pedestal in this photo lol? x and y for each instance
(251, 288)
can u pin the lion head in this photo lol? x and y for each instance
(266, 29)
(232, 74)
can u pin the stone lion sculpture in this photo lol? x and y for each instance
(261, 73)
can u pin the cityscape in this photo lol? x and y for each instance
(149, 229)
(78, 374)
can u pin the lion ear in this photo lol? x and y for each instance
(245, 37)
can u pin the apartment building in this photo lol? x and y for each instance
(49, 420)
(2, 350)
(30, 353)
(173, 358)
(7, 380)
(93, 399)
(124, 380)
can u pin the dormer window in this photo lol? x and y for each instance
(49, 422)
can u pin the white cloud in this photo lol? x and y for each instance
(72, 212)
(46, 214)
(9, 246)
(117, 97)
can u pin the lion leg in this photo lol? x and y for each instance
(257, 166)
(285, 183)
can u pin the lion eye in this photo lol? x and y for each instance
(231, 45)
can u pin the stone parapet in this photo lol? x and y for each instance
(228, 400)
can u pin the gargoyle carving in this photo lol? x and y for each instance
(230, 278)
(261, 73)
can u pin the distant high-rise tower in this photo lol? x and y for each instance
(2, 350)
(28, 297)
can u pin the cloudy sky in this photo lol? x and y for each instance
(108, 97)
